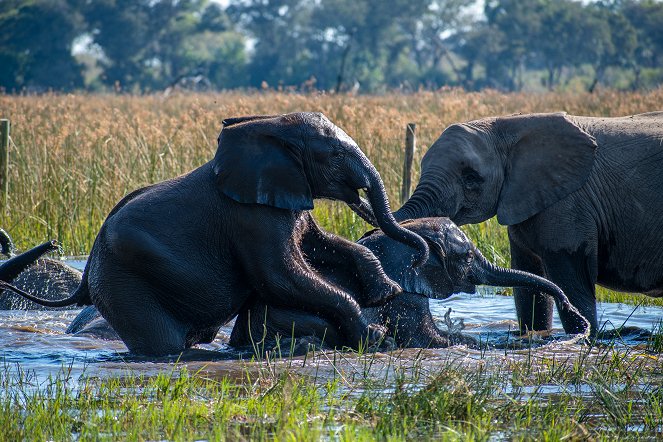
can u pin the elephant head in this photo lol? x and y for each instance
(455, 265)
(287, 161)
(11, 268)
(512, 167)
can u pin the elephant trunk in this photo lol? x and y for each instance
(11, 268)
(377, 197)
(424, 202)
(487, 273)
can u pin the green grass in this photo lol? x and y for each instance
(604, 394)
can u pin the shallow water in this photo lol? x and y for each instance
(34, 341)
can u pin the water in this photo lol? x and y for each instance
(35, 341)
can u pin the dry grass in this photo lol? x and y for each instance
(75, 156)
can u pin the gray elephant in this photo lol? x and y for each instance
(43, 277)
(176, 260)
(581, 197)
(455, 265)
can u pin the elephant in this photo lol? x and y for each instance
(455, 265)
(581, 197)
(7, 247)
(43, 277)
(175, 260)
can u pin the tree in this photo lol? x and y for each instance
(646, 17)
(151, 44)
(612, 41)
(35, 45)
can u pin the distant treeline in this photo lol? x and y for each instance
(334, 45)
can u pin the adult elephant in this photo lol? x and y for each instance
(43, 277)
(455, 265)
(581, 197)
(176, 260)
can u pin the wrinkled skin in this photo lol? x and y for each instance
(176, 260)
(43, 277)
(46, 277)
(581, 197)
(455, 265)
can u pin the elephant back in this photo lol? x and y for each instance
(46, 278)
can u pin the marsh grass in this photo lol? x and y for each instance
(74, 156)
(591, 393)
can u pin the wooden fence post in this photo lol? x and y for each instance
(4, 162)
(410, 143)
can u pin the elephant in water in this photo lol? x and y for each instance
(43, 277)
(455, 265)
(581, 197)
(176, 260)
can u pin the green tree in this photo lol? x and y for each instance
(612, 41)
(151, 44)
(36, 39)
(646, 17)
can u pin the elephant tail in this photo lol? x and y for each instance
(80, 296)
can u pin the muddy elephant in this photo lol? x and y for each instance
(455, 265)
(581, 197)
(176, 260)
(43, 277)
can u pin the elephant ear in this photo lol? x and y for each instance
(548, 158)
(259, 161)
(236, 120)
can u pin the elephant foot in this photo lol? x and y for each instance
(99, 329)
(378, 294)
(461, 339)
(376, 339)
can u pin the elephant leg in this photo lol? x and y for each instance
(83, 319)
(411, 323)
(534, 309)
(130, 306)
(259, 323)
(576, 275)
(282, 277)
(344, 260)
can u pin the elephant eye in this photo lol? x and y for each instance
(471, 179)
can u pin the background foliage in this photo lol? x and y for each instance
(354, 45)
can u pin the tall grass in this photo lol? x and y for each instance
(74, 156)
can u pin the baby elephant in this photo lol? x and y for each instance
(43, 277)
(455, 265)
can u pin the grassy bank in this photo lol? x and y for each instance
(555, 395)
(74, 156)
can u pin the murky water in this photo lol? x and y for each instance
(35, 340)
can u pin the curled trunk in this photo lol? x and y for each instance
(383, 217)
(490, 274)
